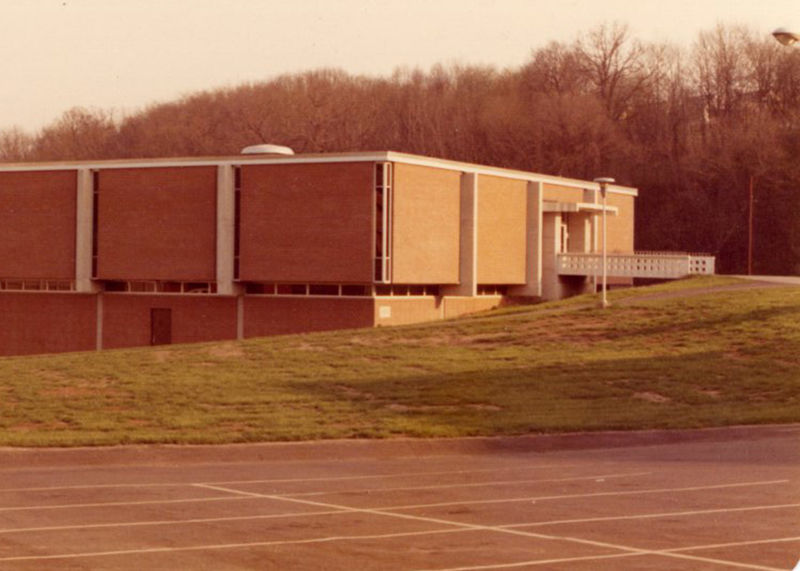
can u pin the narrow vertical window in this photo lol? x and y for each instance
(383, 222)
(237, 211)
(95, 218)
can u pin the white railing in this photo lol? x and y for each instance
(658, 265)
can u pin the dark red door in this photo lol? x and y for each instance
(160, 326)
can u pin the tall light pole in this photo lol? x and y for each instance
(604, 182)
(788, 38)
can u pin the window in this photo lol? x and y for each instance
(355, 290)
(95, 217)
(115, 286)
(492, 289)
(323, 289)
(259, 289)
(237, 211)
(383, 222)
(156, 286)
(14, 284)
(406, 290)
(328, 290)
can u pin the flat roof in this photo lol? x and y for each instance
(368, 156)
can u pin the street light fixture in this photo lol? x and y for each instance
(604, 182)
(786, 36)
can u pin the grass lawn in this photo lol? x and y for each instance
(652, 360)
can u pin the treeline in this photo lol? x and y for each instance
(690, 128)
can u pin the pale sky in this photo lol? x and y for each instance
(122, 55)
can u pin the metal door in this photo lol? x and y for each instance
(160, 326)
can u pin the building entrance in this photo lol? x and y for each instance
(563, 242)
(160, 326)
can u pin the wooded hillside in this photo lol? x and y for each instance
(690, 128)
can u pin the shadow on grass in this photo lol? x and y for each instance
(698, 390)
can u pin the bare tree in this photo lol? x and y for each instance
(79, 134)
(614, 63)
(720, 72)
(16, 145)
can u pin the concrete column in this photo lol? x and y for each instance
(226, 230)
(226, 237)
(533, 244)
(84, 232)
(468, 247)
(592, 196)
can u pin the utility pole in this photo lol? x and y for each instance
(750, 232)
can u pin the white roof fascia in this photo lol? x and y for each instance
(506, 173)
(190, 162)
(388, 156)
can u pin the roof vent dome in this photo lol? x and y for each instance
(266, 149)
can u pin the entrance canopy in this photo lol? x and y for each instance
(588, 207)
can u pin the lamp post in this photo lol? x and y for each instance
(604, 182)
(786, 36)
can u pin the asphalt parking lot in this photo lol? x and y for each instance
(708, 499)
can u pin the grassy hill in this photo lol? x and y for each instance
(700, 352)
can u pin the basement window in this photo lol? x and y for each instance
(406, 290)
(292, 289)
(16, 284)
(259, 289)
(383, 290)
(171, 287)
(492, 289)
(115, 286)
(59, 285)
(157, 286)
(323, 289)
(355, 290)
(327, 290)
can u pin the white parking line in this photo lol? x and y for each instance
(454, 527)
(653, 515)
(531, 562)
(624, 548)
(523, 468)
(235, 495)
(727, 562)
(216, 546)
(284, 480)
(228, 498)
(470, 485)
(735, 544)
(166, 522)
(256, 517)
(592, 495)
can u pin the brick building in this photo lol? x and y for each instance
(126, 253)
